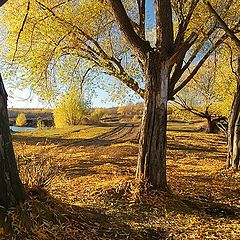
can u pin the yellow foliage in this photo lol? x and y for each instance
(21, 120)
(212, 89)
(70, 110)
(98, 114)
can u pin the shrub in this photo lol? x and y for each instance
(98, 114)
(21, 120)
(136, 118)
(40, 123)
(70, 110)
(36, 172)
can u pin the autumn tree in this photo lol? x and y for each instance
(21, 120)
(70, 109)
(209, 95)
(49, 34)
(12, 190)
(234, 119)
(98, 113)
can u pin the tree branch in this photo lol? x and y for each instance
(2, 2)
(137, 44)
(182, 49)
(224, 25)
(184, 24)
(164, 27)
(195, 70)
(21, 29)
(141, 10)
(185, 106)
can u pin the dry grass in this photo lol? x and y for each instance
(94, 195)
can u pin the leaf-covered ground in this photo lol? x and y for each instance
(93, 194)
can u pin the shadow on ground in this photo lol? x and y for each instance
(119, 134)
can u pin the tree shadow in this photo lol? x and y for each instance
(120, 134)
(207, 205)
(68, 221)
(190, 147)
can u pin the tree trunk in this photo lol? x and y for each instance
(234, 128)
(12, 190)
(152, 152)
(211, 125)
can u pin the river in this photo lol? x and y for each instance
(21, 129)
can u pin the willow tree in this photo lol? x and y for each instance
(49, 34)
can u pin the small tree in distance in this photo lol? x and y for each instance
(97, 114)
(209, 95)
(21, 120)
(70, 110)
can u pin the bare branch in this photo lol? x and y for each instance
(224, 25)
(184, 24)
(193, 110)
(137, 44)
(182, 49)
(231, 59)
(197, 67)
(141, 10)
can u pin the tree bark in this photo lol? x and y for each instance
(152, 152)
(210, 127)
(11, 188)
(234, 128)
(234, 118)
(2, 2)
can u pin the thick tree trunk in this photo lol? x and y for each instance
(11, 188)
(152, 152)
(234, 128)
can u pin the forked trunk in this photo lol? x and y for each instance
(12, 191)
(152, 152)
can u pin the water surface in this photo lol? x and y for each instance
(21, 129)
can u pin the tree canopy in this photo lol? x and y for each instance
(49, 40)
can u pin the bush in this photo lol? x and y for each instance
(98, 114)
(21, 120)
(70, 110)
(136, 118)
(36, 172)
(40, 123)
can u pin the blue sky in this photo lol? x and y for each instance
(26, 99)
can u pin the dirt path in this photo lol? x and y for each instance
(123, 132)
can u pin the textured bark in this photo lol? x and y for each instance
(157, 64)
(236, 144)
(152, 152)
(2, 2)
(234, 119)
(11, 188)
(234, 128)
(210, 127)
